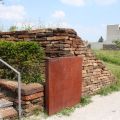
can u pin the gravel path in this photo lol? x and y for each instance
(102, 108)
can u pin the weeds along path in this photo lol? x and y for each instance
(102, 108)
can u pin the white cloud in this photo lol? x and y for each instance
(13, 12)
(83, 2)
(58, 14)
(105, 2)
(74, 2)
(60, 20)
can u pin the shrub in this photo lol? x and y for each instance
(26, 57)
(117, 42)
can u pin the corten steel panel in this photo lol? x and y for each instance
(63, 83)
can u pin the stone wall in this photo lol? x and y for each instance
(66, 42)
(31, 95)
(96, 45)
(110, 47)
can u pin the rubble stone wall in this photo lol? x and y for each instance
(65, 42)
(110, 47)
(32, 95)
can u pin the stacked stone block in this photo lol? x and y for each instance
(62, 42)
(31, 95)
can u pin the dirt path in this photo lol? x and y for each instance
(102, 108)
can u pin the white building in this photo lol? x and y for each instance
(113, 34)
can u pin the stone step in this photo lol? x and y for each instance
(2, 95)
(7, 113)
(5, 103)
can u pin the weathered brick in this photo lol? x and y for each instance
(33, 96)
(32, 88)
(7, 113)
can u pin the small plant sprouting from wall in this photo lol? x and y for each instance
(27, 27)
(27, 57)
(13, 28)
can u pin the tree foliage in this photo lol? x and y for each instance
(101, 39)
(117, 42)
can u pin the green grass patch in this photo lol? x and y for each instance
(112, 61)
(108, 56)
(67, 111)
(109, 89)
(84, 101)
(36, 112)
(115, 69)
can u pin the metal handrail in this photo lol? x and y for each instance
(19, 86)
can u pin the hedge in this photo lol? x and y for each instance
(26, 57)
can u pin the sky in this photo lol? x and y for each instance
(88, 17)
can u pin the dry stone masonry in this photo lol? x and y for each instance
(32, 96)
(65, 42)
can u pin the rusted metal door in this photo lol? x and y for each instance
(63, 83)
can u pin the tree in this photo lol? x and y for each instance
(101, 39)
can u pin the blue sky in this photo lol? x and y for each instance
(88, 17)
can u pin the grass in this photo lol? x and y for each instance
(108, 56)
(115, 69)
(84, 101)
(67, 111)
(112, 61)
(36, 112)
(109, 89)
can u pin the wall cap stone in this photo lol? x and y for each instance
(26, 89)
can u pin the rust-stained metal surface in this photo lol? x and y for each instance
(63, 83)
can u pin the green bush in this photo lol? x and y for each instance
(117, 42)
(26, 57)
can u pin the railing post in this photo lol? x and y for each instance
(19, 95)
